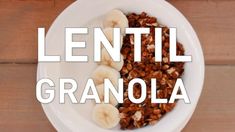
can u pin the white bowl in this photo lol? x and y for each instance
(76, 117)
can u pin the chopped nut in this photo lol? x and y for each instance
(165, 60)
(165, 67)
(171, 70)
(157, 74)
(175, 74)
(129, 67)
(137, 116)
(151, 47)
(132, 39)
(132, 74)
(156, 111)
(122, 115)
(124, 70)
(152, 122)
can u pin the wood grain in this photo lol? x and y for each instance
(214, 22)
(216, 108)
(19, 109)
(19, 21)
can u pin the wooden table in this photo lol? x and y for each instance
(213, 20)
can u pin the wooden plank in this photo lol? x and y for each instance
(214, 22)
(19, 21)
(20, 111)
(216, 109)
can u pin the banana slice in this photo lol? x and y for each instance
(108, 32)
(105, 72)
(105, 115)
(112, 99)
(106, 59)
(115, 18)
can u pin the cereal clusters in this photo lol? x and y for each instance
(139, 115)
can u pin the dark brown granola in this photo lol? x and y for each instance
(139, 115)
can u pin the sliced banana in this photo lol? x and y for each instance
(115, 18)
(105, 72)
(108, 32)
(112, 99)
(106, 115)
(106, 59)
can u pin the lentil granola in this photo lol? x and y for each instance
(140, 115)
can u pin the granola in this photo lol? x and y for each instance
(166, 72)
